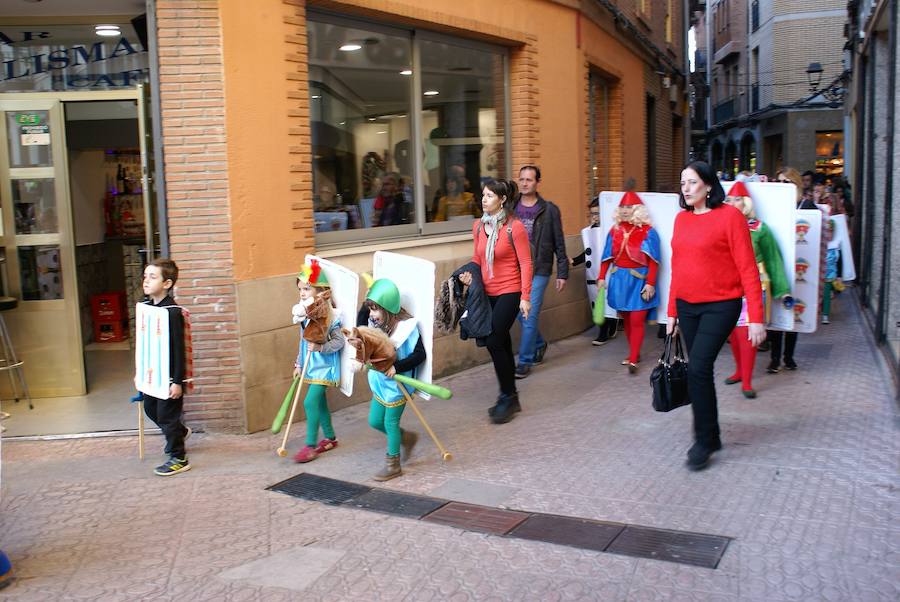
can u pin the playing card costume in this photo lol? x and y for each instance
(629, 267)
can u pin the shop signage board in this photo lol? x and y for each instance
(35, 58)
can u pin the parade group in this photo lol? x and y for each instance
(749, 264)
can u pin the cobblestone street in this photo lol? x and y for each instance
(806, 484)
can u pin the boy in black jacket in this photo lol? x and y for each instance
(159, 278)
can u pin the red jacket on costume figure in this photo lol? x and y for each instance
(508, 277)
(713, 260)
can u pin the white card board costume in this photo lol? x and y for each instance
(807, 269)
(414, 277)
(151, 351)
(344, 285)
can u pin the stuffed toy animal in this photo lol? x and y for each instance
(319, 314)
(372, 347)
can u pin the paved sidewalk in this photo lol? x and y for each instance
(807, 485)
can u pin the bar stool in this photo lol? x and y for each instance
(8, 360)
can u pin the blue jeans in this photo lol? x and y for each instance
(531, 336)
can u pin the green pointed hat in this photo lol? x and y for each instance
(386, 294)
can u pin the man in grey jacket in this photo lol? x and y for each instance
(543, 222)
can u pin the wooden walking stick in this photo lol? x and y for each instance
(282, 451)
(445, 455)
(140, 407)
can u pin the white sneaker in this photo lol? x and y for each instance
(825, 320)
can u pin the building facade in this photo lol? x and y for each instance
(763, 112)
(287, 127)
(873, 35)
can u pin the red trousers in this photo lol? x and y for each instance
(744, 357)
(634, 330)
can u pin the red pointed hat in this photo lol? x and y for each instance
(630, 199)
(738, 189)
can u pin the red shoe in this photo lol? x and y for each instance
(326, 444)
(307, 454)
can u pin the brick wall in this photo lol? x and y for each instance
(193, 130)
(300, 190)
(523, 87)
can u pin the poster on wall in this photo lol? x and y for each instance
(663, 207)
(807, 269)
(344, 284)
(415, 279)
(774, 205)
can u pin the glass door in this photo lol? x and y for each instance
(36, 237)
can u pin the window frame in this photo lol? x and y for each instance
(421, 228)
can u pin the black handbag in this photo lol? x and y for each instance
(669, 378)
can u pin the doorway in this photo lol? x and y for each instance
(78, 229)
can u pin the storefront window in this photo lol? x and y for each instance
(34, 206)
(41, 273)
(830, 153)
(363, 96)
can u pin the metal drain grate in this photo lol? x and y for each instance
(399, 504)
(319, 489)
(684, 547)
(477, 518)
(568, 531)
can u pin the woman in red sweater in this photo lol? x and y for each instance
(504, 255)
(713, 266)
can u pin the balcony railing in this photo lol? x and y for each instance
(723, 111)
(754, 97)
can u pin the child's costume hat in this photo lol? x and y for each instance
(386, 294)
(312, 273)
(738, 189)
(630, 199)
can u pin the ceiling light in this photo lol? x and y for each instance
(382, 132)
(349, 47)
(343, 123)
(371, 119)
(431, 93)
(107, 30)
(406, 72)
(316, 96)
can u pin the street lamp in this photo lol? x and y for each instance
(814, 75)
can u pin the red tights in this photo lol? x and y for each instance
(744, 357)
(634, 330)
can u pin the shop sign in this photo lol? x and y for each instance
(57, 58)
(31, 131)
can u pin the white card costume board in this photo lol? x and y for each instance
(151, 350)
(807, 269)
(345, 294)
(593, 247)
(775, 206)
(663, 207)
(842, 235)
(415, 279)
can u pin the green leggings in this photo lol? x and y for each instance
(317, 414)
(826, 297)
(387, 420)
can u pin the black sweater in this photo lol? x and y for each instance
(176, 339)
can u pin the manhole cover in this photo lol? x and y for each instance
(319, 489)
(675, 546)
(477, 518)
(399, 504)
(568, 531)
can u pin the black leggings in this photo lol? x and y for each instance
(705, 327)
(504, 309)
(790, 343)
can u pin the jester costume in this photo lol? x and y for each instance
(323, 369)
(775, 285)
(388, 401)
(630, 261)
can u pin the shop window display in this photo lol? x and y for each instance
(362, 89)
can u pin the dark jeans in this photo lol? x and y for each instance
(705, 327)
(166, 413)
(504, 308)
(790, 343)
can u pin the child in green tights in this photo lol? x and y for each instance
(323, 369)
(382, 310)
